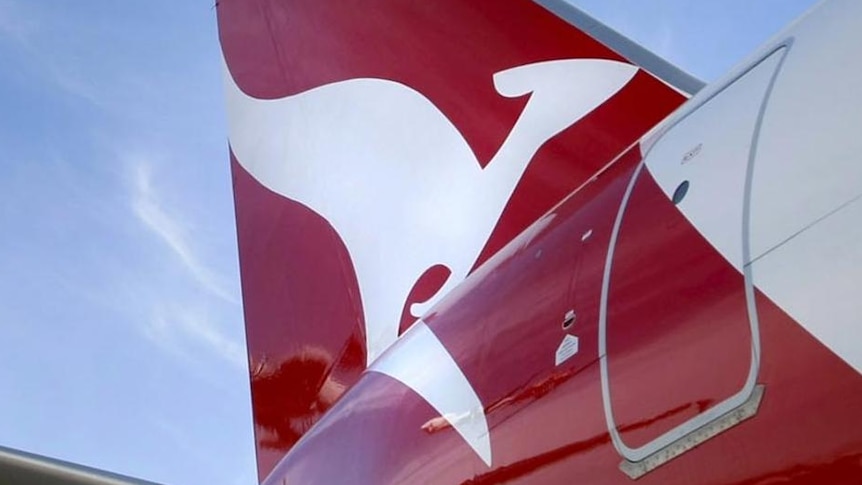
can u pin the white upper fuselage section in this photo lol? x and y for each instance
(791, 120)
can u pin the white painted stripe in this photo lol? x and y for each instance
(422, 363)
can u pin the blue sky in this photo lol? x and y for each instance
(121, 338)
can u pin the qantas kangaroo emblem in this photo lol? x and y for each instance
(396, 179)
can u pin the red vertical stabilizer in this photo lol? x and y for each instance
(382, 151)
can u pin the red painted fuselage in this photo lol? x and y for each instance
(680, 316)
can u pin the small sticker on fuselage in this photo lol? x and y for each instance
(568, 348)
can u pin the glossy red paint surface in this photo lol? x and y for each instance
(305, 327)
(676, 308)
(678, 331)
(547, 423)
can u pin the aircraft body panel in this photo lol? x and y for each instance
(450, 154)
(661, 301)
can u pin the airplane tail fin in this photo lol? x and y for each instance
(380, 153)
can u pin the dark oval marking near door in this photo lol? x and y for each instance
(680, 192)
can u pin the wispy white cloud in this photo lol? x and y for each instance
(176, 330)
(179, 331)
(105, 243)
(179, 327)
(166, 227)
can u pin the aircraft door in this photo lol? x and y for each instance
(678, 336)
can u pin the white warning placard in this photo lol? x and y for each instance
(568, 347)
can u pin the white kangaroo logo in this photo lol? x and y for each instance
(396, 179)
